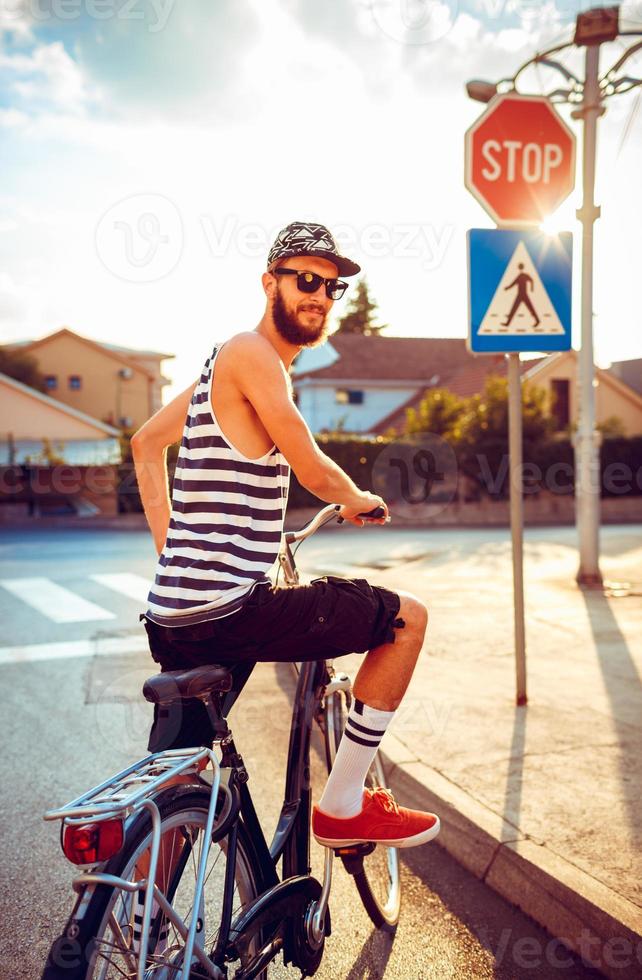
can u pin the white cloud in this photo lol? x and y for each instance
(513, 39)
(466, 31)
(12, 118)
(47, 78)
(16, 306)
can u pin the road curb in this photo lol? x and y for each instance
(598, 924)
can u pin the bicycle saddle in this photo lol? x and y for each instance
(197, 682)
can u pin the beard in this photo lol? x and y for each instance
(290, 329)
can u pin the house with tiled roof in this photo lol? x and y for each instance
(121, 386)
(617, 405)
(465, 382)
(352, 382)
(366, 385)
(38, 433)
(31, 420)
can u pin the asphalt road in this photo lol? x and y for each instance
(71, 720)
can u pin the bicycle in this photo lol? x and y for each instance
(223, 911)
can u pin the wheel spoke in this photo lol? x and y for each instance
(109, 962)
(125, 946)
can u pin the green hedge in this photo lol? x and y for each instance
(551, 467)
(621, 464)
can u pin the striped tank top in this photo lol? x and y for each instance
(226, 523)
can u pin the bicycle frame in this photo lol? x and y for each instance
(291, 839)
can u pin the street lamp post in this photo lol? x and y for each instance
(587, 437)
(593, 28)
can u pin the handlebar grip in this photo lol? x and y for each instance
(374, 513)
(364, 515)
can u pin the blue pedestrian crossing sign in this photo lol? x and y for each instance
(519, 286)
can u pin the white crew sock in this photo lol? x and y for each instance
(365, 727)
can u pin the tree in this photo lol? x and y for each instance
(360, 314)
(612, 428)
(439, 413)
(48, 455)
(23, 367)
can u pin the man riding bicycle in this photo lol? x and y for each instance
(218, 537)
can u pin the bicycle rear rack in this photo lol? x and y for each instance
(127, 792)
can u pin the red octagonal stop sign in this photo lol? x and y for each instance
(520, 159)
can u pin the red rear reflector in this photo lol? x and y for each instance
(90, 843)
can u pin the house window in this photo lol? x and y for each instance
(561, 402)
(75, 382)
(345, 396)
(51, 382)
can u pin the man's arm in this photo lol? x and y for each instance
(262, 378)
(149, 450)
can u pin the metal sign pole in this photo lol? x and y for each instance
(523, 277)
(517, 518)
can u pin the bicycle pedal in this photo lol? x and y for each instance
(355, 850)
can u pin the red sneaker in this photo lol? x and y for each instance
(381, 820)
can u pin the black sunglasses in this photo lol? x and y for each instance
(309, 282)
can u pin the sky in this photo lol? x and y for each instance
(151, 149)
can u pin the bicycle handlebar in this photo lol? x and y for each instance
(324, 514)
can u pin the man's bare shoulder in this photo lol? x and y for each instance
(252, 344)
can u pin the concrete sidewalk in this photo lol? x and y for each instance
(543, 802)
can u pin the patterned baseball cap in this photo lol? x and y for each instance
(308, 238)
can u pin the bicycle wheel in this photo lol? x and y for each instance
(376, 873)
(106, 933)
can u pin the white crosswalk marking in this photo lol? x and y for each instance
(134, 586)
(101, 646)
(54, 601)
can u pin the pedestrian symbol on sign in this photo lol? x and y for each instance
(529, 310)
(523, 282)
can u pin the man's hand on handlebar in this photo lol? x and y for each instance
(359, 514)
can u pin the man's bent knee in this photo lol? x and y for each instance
(412, 610)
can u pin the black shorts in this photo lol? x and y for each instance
(328, 618)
